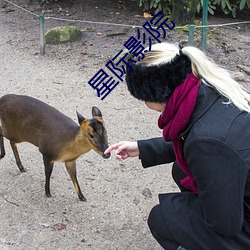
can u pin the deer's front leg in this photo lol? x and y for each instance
(71, 168)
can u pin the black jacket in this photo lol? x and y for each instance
(216, 145)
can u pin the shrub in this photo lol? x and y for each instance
(227, 6)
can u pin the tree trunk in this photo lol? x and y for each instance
(183, 11)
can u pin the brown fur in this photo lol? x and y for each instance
(59, 138)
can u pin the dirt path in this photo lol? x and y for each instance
(115, 214)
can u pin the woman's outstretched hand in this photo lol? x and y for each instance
(124, 150)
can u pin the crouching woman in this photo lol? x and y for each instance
(205, 119)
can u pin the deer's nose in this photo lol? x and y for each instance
(106, 156)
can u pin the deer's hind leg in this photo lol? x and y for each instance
(71, 168)
(18, 161)
(1, 144)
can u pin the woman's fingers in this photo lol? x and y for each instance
(124, 149)
(113, 147)
(121, 148)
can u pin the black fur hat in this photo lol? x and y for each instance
(156, 83)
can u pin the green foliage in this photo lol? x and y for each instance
(227, 6)
(211, 7)
(156, 5)
(244, 3)
(231, 6)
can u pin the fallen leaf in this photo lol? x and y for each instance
(147, 15)
(58, 227)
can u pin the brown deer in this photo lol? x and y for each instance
(59, 139)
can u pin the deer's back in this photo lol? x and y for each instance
(24, 118)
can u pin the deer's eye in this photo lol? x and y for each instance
(91, 136)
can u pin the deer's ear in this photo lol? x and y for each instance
(96, 112)
(80, 118)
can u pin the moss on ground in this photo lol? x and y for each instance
(63, 34)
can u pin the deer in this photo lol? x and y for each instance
(58, 137)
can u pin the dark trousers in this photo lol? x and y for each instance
(156, 221)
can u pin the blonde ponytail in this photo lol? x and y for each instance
(218, 78)
(205, 69)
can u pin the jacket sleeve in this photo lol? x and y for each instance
(155, 151)
(220, 173)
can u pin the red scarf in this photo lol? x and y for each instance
(175, 118)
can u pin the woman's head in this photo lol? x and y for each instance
(166, 66)
(158, 74)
